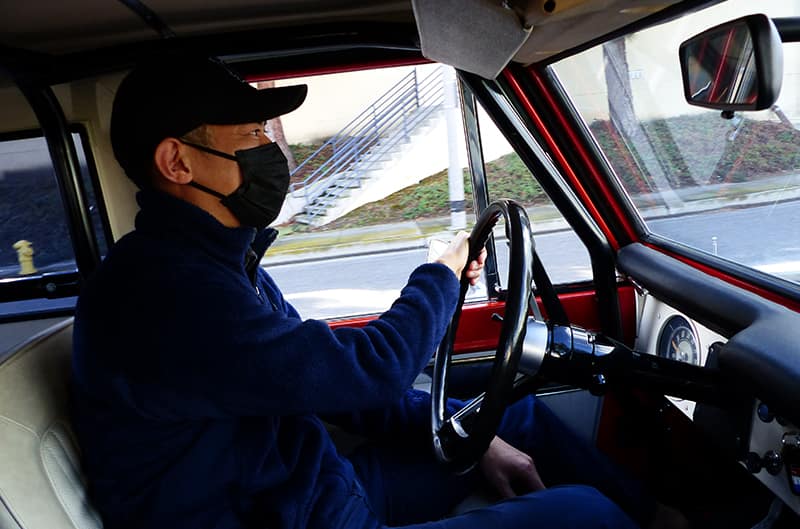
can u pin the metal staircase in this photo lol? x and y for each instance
(367, 144)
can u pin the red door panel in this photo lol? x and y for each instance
(479, 332)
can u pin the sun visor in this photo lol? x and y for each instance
(478, 36)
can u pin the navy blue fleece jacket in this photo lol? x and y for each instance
(197, 387)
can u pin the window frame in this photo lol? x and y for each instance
(56, 291)
(504, 108)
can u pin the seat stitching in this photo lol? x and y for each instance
(10, 511)
(20, 425)
(68, 442)
(59, 492)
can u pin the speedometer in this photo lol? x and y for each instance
(678, 341)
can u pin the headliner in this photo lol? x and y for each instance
(63, 28)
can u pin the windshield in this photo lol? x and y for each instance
(729, 187)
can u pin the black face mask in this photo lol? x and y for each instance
(265, 180)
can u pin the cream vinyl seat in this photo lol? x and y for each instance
(41, 484)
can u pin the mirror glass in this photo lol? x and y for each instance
(720, 66)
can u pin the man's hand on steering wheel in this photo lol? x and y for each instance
(455, 257)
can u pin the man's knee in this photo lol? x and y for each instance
(565, 507)
(586, 507)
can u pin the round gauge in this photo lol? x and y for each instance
(678, 341)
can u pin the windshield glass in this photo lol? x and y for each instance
(729, 187)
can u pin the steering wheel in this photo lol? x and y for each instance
(460, 440)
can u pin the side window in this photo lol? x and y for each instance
(34, 234)
(34, 238)
(370, 188)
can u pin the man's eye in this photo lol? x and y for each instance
(256, 132)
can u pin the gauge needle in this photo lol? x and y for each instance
(675, 347)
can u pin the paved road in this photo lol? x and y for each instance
(765, 237)
(369, 283)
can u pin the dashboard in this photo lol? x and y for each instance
(773, 449)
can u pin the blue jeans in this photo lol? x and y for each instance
(408, 488)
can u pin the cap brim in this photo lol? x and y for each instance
(259, 105)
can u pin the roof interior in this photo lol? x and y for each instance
(86, 25)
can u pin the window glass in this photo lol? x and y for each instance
(34, 237)
(562, 253)
(724, 186)
(370, 187)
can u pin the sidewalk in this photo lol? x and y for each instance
(384, 238)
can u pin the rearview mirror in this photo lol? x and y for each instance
(737, 65)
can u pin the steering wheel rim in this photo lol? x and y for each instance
(461, 445)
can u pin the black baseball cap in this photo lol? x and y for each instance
(170, 96)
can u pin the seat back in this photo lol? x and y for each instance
(41, 484)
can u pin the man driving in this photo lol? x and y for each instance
(200, 393)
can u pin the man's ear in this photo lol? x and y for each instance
(172, 162)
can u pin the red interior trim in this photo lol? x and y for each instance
(588, 160)
(479, 332)
(562, 161)
(721, 67)
(762, 292)
(628, 315)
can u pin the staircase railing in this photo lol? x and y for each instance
(362, 143)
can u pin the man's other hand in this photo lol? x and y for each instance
(455, 257)
(509, 471)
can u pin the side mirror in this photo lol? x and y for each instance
(737, 65)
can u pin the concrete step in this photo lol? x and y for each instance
(340, 189)
(378, 155)
(305, 219)
(322, 202)
(318, 206)
(331, 195)
(309, 219)
(368, 165)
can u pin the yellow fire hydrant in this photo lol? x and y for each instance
(25, 255)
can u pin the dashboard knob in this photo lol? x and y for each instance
(764, 413)
(598, 386)
(752, 462)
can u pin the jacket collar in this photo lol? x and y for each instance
(167, 217)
